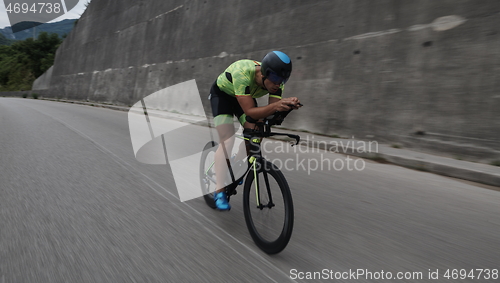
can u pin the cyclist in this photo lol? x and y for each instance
(234, 93)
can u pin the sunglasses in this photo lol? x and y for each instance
(275, 79)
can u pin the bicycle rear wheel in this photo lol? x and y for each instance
(268, 208)
(207, 173)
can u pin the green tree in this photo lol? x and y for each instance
(4, 40)
(26, 60)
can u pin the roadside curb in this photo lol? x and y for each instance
(470, 174)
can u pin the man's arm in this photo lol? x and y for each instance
(273, 99)
(275, 104)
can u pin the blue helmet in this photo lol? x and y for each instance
(276, 66)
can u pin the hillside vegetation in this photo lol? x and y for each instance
(5, 41)
(23, 61)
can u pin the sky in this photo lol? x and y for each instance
(75, 13)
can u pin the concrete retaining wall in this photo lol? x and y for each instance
(383, 70)
(43, 82)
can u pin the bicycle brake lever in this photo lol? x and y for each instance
(296, 137)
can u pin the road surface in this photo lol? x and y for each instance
(76, 206)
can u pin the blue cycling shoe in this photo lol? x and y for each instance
(221, 201)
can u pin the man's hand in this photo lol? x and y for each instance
(288, 103)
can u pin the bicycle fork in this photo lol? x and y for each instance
(261, 206)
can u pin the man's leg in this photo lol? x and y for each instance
(223, 153)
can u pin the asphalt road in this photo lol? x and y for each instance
(76, 206)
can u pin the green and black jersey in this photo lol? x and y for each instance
(239, 80)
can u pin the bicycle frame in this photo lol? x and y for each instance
(254, 139)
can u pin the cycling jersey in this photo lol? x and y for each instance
(239, 79)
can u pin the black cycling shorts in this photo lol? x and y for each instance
(224, 106)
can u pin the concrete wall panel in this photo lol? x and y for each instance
(383, 69)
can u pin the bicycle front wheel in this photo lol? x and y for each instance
(268, 207)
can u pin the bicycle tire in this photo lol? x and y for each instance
(209, 148)
(275, 243)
